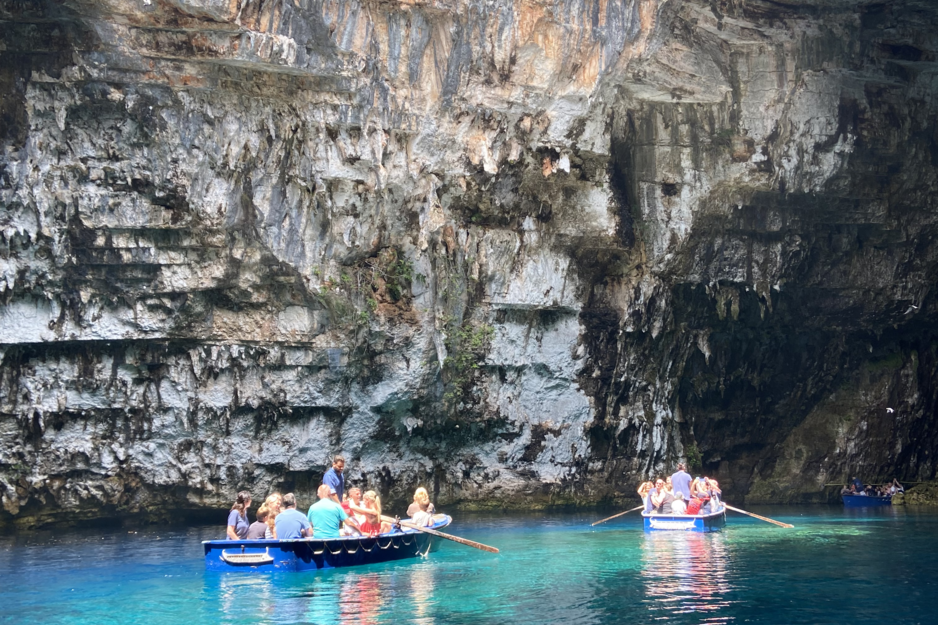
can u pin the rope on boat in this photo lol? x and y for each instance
(335, 553)
(350, 552)
(362, 545)
(319, 553)
(390, 541)
(424, 554)
(407, 544)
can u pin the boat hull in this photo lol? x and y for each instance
(683, 523)
(313, 555)
(860, 501)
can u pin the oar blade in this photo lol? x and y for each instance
(761, 518)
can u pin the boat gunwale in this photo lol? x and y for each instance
(685, 517)
(261, 542)
(869, 497)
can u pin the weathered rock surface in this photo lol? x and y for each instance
(523, 252)
(920, 495)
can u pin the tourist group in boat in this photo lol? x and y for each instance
(856, 487)
(680, 494)
(338, 512)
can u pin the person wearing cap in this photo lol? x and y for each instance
(326, 515)
(681, 481)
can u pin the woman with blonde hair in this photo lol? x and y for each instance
(373, 524)
(414, 508)
(274, 504)
(424, 516)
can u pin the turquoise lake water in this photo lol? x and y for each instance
(836, 566)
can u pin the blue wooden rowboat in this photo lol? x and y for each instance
(712, 522)
(866, 501)
(312, 555)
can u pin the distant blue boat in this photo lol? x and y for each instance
(685, 523)
(313, 555)
(865, 501)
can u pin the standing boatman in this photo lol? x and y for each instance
(335, 479)
(680, 481)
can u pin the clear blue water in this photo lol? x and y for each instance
(836, 566)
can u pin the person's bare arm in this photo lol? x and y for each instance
(232, 534)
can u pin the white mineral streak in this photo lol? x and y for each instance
(204, 217)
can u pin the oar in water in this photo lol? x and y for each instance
(616, 515)
(756, 516)
(455, 539)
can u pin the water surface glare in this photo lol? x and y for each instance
(836, 566)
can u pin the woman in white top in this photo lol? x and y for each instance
(423, 516)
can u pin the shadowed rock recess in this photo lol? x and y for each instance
(523, 252)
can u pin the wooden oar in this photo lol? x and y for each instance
(455, 539)
(756, 516)
(616, 516)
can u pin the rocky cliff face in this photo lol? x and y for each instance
(523, 252)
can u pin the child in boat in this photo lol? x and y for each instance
(258, 528)
(423, 517)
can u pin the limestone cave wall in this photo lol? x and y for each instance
(524, 252)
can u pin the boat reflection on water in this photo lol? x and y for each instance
(362, 599)
(686, 572)
(336, 597)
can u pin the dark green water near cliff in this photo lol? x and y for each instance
(836, 566)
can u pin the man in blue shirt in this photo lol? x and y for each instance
(290, 523)
(680, 481)
(334, 477)
(326, 515)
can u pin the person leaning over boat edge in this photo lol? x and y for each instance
(290, 522)
(238, 517)
(335, 478)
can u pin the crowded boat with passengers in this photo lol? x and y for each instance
(345, 527)
(856, 495)
(682, 503)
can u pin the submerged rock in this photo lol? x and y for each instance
(523, 253)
